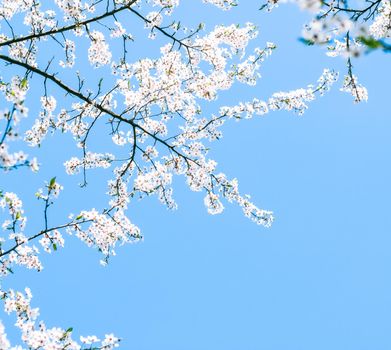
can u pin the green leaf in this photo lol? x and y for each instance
(23, 83)
(371, 43)
(306, 41)
(52, 182)
(54, 246)
(69, 330)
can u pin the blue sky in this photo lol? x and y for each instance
(318, 279)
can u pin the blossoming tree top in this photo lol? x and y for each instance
(151, 109)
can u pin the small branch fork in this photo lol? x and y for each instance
(355, 14)
(42, 233)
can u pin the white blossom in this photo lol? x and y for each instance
(98, 52)
(381, 26)
(358, 91)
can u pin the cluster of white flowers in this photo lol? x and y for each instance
(341, 48)
(313, 6)
(53, 189)
(78, 125)
(310, 5)
(247, 71)
(295, 100)
(149, 182)
(118, 31)
(21, 254)
(154, 18)
(223, 4)
(157, 179)
(166, 3)
(69, 48)
(15, 93)
(14, 206)
(9, 8)
(73, 9)
(99, 53)
(22, 52)
(118, 189)
(318, 31)
(36, 335)
(347, 31)
(381, 26)
(106, 230)
(352, 86)
(242, 110)
(13, 160)
(91, 160)
(229, 190)
(52, 240)
(38, 131)
(40, 20)
(16, 250)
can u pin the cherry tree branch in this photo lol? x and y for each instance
(86, 99)
(69, 27)
(356, 13)
(41, 233)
